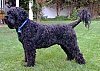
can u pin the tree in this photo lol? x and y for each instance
(12, 2)
(24, 4)
(57, 3)
(37, 8)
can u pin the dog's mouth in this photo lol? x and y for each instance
(10, 25)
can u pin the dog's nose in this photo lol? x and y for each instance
(6, 17)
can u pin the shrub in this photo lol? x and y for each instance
(74, 14)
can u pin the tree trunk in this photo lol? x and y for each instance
(38, 13)
(38, 16)
(57, 9)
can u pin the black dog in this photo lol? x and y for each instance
(34, 36)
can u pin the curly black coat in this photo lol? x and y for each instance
(34, 36)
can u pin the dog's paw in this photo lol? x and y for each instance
(29, 65)
(79, 59)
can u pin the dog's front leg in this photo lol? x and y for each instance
(29, 52)
(25, 52)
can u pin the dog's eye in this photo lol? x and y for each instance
(8, 12)
(11, 18)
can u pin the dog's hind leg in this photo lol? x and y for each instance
(74, 49)
(25, 52)
(68, 52)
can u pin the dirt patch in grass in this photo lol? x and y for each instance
(2, 25)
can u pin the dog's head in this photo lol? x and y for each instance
(15, 17)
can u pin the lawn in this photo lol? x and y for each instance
(51, 59)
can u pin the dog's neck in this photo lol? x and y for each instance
(20, 28)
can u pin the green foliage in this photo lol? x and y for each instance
(80, 3)
(74, 14)
(58, 18)
(12, 2)
(62, 18)
(36, 8)
(24, 4)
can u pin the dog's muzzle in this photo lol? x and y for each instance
(8, 23)
(5, 17)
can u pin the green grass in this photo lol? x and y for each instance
(51, 59)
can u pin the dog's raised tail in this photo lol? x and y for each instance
(84, 16)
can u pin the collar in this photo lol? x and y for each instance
(19, 29)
